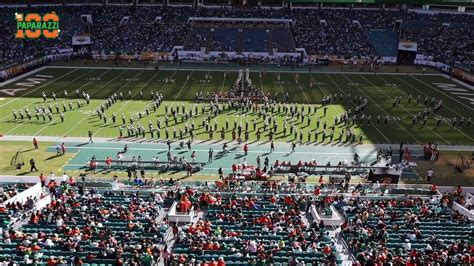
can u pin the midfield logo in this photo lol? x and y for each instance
(33, 25)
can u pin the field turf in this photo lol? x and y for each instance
(380, 90)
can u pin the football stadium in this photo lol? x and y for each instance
(236, 132)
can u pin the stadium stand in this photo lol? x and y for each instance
(385, 43)
(240, 36)
(91, 227)
(336, 32)
(234, 221)
(236, 224)
(282, 40)
(225, 39)
(254, 230)
(410, 231)
(197, 38)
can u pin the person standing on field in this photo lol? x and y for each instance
(429, 175)
(33, 165)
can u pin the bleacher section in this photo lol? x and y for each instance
(384, 42)
(9, 191)
(264, 223)
(96, 228)
(224, 40)
(275, 227)
(240, 36)
(404, 226)
(281, 42)
(445, 37)
(197, 38)
(255, 40)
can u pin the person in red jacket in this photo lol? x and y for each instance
(42, 179)
(63, 148)
(108, 162)
(220, 261)
(246, 149)
(35, 143)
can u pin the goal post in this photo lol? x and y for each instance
(17, 159)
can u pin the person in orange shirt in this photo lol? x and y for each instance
(34, 218)
(52, 261)
(77, 261)
(327, 250)
(35, 143)
(220, 261)
(288, 200)
(72, 181)
(317, 191)
(108, 162)
(42, 178)
(208, 246)
(273, 199)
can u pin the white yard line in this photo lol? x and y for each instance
(281, 87)
(87, 116)
(182, 87)
(6, 82)
(442, 92)
(128, 101)
(386, 95)
(261, 81)
(427, 95)
(37, 88)
(223, 83)
(83, 85)
(320, 88)
(376, 128)
(206, 150)
(27, 121)
(383, 110)
(301, 89)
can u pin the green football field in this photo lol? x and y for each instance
(380, 90)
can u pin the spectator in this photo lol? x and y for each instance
(429, 175)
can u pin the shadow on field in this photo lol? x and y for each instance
(82, 144)
(52, 157)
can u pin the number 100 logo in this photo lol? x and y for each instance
(33, 25)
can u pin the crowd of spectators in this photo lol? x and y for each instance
(82, 226)
(255, 230)
(413, 231)
(229, 36)
(14, 209)
(146, 30)
(338, 32)
(13, 50)
(261, 225)
(333, 33)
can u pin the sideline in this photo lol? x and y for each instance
(412, 147)
(206, 69)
